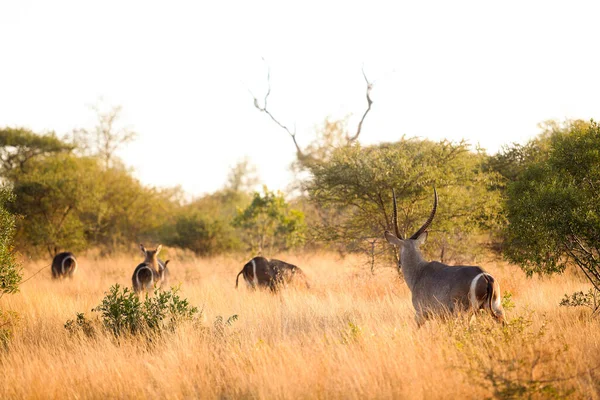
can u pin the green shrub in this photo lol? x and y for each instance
(8, 320)
(80, 325)
(591, 299)
(122, 311)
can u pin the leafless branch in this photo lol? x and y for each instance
(300, 154)
(369, 103)
(264, 109)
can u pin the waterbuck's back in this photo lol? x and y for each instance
(439, 287)
(269, 273)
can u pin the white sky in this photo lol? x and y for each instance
(485, 71)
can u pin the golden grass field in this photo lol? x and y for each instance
(351, 336)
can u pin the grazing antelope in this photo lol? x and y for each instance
(269, 273)
(437, 288)
(64, 265)
(151, 271)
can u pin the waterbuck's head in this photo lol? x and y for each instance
(409, 247)
(151, 256)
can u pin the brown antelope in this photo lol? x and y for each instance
(64, 265)
(151, 272)
(272, 274)
(437, 288)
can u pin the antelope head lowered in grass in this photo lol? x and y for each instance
(272, 274)
(439, 289)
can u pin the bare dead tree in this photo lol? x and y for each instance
(369, 103)
(301, 155)
(106, 137)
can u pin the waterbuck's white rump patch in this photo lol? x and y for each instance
(137, 276)
(62, 264)
(255, 279)
(497, 304)
(472, 295)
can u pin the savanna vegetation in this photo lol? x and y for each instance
(530, 215)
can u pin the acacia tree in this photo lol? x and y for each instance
(51, 193)
(19, 145)
(553, 207)
(269, 223)
(354, 190)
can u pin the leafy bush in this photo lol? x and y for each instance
(507, 301)
(269, 223)
(553, 207)
(80, 324)
(122, 311)
(220, 326)
(514, 360)
(10, 274)
(201, 233)
(591, 299)
(8, 319)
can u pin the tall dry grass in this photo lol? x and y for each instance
(352, 335)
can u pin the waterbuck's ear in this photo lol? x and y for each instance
(422, 238)
(143, 249)
(158, 248)
(166, 262)
(393, 239)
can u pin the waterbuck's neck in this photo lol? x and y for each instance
(412, 261)
(152, 260)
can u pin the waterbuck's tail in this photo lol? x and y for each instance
(238, 277)
(493, 298)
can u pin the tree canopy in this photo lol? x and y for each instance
(553, 208)
(355, 185)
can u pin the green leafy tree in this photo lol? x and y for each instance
(553, 207)
(124, 211)
(202, 234)
(50, 194)
(19, 145)
(68, 201)
(269, 223)
(10, 274)
(513, 159)
(354, 188)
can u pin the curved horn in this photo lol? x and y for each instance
(395, 216)
(428, 222)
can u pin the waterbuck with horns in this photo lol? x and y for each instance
(440, 289)
(260, 272)
(151, 272)
(64, 265)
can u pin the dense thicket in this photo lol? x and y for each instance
(71, 198)
(553, 207)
